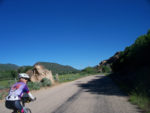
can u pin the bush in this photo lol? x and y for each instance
(2, 87)
(24, 69)
(89, 70)
(135, 55)
(34, 85)
(46, 82)
(2, 95)
(106, 69)
(142, 100)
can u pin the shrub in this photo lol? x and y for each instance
(106, 69)
(89, 70)
(34, 85)
(142, 100)
(2, 95)
(3, 87)
(46, 82)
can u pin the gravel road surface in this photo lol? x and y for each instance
(92, 94)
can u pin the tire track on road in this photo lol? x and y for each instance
(68, 102)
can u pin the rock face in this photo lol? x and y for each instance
(39, 72)
(108, 62)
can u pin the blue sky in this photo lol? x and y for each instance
(79, 33)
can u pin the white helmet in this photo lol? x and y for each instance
(24, 75)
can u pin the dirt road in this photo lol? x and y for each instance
(92, 94)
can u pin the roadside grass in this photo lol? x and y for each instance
(71, 77)
(34, 85)
(142, 100)
(5, 84)
(138, 98)
(106, 74)
(140, 94)
(37, 85)
(2, 95)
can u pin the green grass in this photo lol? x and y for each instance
(138, 98)
(46, 82)
(141, 100)
(2, 95)
(71, 77)
(34, 85)
(139, 95)
(37, 85)
(6, 83)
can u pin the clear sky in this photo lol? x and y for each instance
(78, 33)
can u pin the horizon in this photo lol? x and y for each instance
(77, 33)
(43, 62)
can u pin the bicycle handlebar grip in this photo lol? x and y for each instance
(34, 99)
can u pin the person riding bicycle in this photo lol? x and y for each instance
(13, 100)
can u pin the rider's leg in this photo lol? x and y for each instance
(11, 105)
(19, 106)
(15, 111)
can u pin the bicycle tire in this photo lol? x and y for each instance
(28, 110)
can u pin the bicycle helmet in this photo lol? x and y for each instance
(24, 75)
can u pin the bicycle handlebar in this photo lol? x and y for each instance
(26, 99)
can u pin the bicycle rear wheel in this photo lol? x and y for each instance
(28, 110)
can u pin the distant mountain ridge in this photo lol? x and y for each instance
(7, 67)
(58, 68)
(54, 67)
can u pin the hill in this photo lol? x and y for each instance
(134, 63)
(11, 70)
(131, 70)
(131, 67)
(132, 59)
(8, 67)
(58, 68)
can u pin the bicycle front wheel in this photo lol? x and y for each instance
(28, 110)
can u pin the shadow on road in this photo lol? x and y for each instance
(101, 85)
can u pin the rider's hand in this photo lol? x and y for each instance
(34, 99)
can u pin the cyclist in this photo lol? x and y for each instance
(13, 100)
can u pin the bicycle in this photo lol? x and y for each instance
(24, 100)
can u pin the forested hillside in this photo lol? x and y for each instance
(132, 71)
(135, 56)
(6, 70)
(6, 67)
(57, 68)
(133, 64)
(11, 70)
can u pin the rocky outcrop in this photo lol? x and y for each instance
(39, 72)
(108, 62)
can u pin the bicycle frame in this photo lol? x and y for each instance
(26, 110)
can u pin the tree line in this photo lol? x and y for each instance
(134, 56)
(132, 69)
